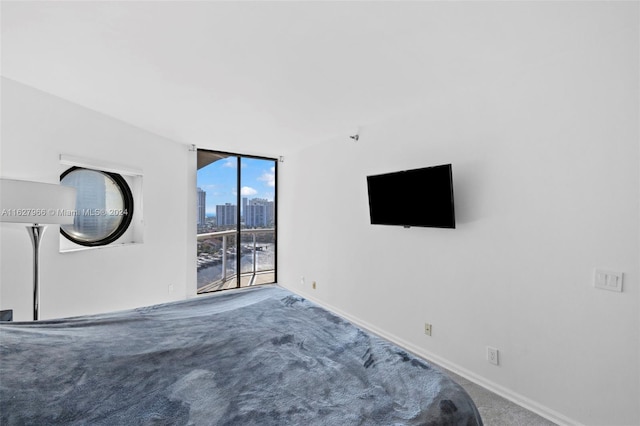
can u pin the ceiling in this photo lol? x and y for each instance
(252, 77)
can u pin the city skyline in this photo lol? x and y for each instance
(253, 211)
(219, 181)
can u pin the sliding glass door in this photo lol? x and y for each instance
(236, 220)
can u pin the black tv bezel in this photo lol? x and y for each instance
(407, 224)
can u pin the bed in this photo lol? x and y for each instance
(254, 356)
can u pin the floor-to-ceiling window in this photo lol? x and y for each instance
(236, 218)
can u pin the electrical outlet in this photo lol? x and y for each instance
(427, 329)
(170, 289)
(313, 285)
(493, 355)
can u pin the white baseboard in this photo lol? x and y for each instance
(508, 394)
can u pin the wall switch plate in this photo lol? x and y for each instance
(427, 329)
(608, 280)
(493, 355)
(313, 285)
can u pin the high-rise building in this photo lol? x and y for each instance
(244, 209)
(259, 213)
(226, 215)
(202, 207)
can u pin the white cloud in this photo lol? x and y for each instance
(247, 191)
(269, 177)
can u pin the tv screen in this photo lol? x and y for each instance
(418, 197)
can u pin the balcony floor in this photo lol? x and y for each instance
(246, 280)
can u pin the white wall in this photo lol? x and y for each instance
(36, 129)
(543, 137)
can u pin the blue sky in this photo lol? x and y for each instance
(218, 180)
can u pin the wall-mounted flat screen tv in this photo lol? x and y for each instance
(418, 197)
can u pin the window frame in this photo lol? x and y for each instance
(238, 230)
(128, 206)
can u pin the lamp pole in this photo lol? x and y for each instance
(35, 233)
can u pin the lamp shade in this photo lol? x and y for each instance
(36, 202)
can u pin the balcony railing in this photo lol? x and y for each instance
(217, 259)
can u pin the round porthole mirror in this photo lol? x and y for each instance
(104, 206)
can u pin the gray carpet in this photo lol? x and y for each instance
(496, 410)
(257, 356)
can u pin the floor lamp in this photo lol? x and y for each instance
(38, 204)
